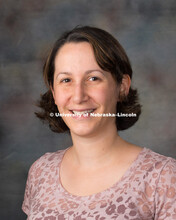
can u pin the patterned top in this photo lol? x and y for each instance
(146, 191)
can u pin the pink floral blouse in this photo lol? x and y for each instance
(146, 191)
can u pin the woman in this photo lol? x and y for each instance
(101, 176)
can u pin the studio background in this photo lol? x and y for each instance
(28, 29)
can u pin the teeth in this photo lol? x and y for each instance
(83, 112)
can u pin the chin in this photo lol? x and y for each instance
(83, 131)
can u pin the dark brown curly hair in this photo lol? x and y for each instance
(110, 56)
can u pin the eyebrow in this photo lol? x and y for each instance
(87, 72)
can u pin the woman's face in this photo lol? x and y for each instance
(81, 86)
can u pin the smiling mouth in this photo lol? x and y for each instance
(82, 113)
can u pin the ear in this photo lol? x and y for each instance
(125, 85)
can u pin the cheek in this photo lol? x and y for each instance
(104, 95)
(60, 98)
(110, 98)
(98, 94)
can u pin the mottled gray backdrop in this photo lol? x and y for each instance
(28, 28)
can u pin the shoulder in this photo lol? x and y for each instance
(46, 161)
(42, 169)
(158, 172)
(50, 156)
(161, 184)
(153, 181)
(154, 169)
(155, 160)
(167, 171)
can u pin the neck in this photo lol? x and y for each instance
(94, 151)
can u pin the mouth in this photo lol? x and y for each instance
(82, 113)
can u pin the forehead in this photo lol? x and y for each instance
(75, 53)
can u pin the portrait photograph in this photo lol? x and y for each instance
(87, 102)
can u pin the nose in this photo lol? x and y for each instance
(80, 93)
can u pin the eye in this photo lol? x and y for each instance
(94, 78)
(66, 80)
